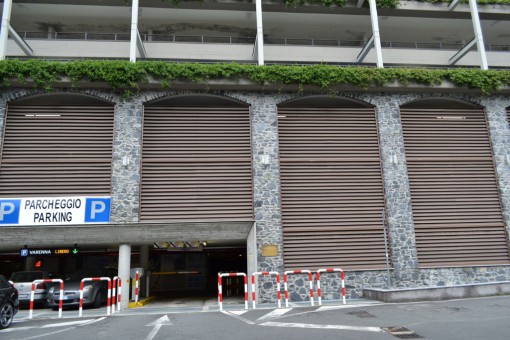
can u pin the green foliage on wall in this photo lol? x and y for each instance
(129, 77)
(380, 3)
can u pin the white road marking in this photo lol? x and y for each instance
(162, 321)
(238, 312)
(308, 325)
(238, 317)
(51, 333)
(274, 314)
(64, 324)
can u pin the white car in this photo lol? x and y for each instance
(23, 283)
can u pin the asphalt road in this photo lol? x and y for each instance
(481, 318)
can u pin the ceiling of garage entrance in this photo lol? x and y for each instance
(133, 233)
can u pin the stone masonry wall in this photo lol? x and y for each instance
(266, 192)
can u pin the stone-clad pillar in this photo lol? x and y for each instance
(127, 143)
(396, 187)
(266, 185)
(499, 133)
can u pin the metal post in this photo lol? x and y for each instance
(260, 33)
(134, 37)
(124, 272)
(478, 34)
(4, 30)
(386, 248)
(375, 33)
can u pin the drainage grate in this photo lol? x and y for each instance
(401, 332)
(362, 314)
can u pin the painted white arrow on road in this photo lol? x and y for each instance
(157, 324)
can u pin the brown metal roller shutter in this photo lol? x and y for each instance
(332, 196)
(455, 199)
(196, 164)
(57, 150)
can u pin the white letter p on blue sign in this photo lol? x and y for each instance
(97, 210)
(9, 211)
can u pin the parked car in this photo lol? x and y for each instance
(9, 303)
(23, 283)
(95, 293)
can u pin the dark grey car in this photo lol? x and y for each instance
(95, 293)
(9, 303)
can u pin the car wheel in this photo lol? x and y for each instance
(6, 315)
(97, 300)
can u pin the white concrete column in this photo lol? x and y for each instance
(477, 27)
(150, 33)
(4, 30)
(124, 272)
(251, 258)
(260, 33)
(134, 31)
(51, 32)
(375, 32)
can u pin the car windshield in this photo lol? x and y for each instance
(86, 273)
(27, 276)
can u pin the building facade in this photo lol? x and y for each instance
(400, 185)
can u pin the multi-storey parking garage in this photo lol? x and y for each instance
(399, 184)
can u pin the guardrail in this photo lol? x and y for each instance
(82, 283)
(286, 290)
(116, 281)
(204, 39)
(278, 292)
(278, 287)
(220, 288)
(32, 293)
(330, 270)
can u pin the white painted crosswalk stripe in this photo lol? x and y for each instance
(308, 325)
(274, 314)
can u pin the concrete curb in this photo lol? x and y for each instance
(437, 293)
(142, 302)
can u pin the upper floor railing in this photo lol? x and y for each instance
(203, 39)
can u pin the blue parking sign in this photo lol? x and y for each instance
(97, 210)
(9, 211)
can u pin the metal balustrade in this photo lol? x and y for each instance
(203, 39)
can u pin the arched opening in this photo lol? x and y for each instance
(196, 166)
(193, 100)
(325, 102)
(55, 146)
(455, 199)
(62, 99)
(331, 186)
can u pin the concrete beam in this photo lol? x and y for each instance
(4, 30)
(453, 4)
(260, 33)
(20, 42)
(375, 33)
(139, 45)
(462, 52)
(15, 237)
(368, 46)
(134, 31)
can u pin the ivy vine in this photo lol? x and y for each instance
(380, 3)
(130, 77)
